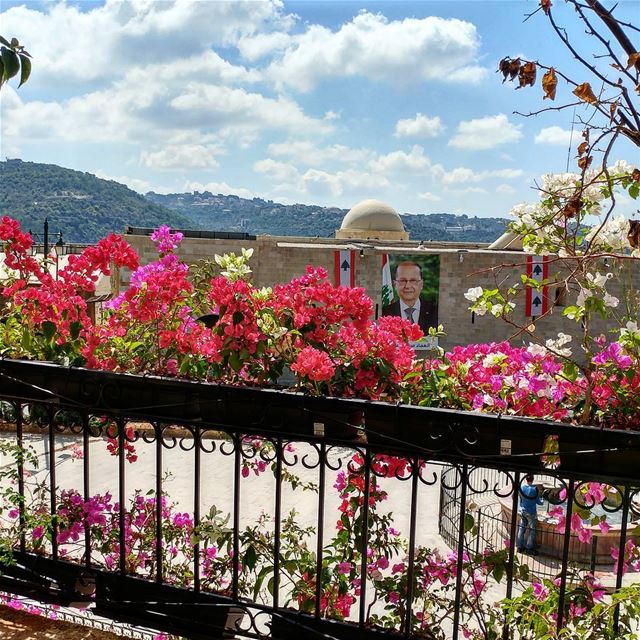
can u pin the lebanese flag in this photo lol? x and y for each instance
(345, 268)
(387, 282)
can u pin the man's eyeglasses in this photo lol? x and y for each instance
(403, 281)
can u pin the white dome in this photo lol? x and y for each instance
(372, 215)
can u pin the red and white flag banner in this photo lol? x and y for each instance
(345, 268)
(537, 300)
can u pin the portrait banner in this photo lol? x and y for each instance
(410, 288)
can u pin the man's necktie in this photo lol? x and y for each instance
(409, 311)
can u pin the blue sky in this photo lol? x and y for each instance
(314, 102)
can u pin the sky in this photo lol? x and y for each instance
(314, 102)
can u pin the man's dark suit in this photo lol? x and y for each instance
(428, 313)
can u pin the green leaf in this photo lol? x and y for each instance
(250, 558)
(235, 362)
(468, 522)
(48, 331)
(4, 41)
(184, 366)
(11, 63)
(26, 340)
(25, 69)
(259, 580)
(74, 330)
(570, 370)
(634, 190)
(498, 572)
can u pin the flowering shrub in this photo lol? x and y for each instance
(530, 381)
(49, 320)
(587, 612)
(323, 333)
(589, 249)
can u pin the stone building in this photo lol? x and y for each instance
(370, 230)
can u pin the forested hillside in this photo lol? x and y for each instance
(232, 213)
(83, 207)
(87, 208)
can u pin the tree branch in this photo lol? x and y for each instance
(613, 25)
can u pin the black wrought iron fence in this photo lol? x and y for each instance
(222, 512)
(591, 550)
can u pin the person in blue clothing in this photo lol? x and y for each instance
(530, 498)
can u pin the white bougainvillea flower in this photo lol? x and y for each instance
(473, 294)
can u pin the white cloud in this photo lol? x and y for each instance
(206, 66)
(401, 162)
(280, 171)
(397, 52)
(342, 182)
(73, 45)
(470, 190)
(430, 197)
(305, 152)
(151, 108)
(461, 175)
(315, 182)
(486, 133)
(185, 156)
(257, 45)
(419, 127)
(505, 188)
(240, 110)
(141, 186)
(556, 136)
(472, 74)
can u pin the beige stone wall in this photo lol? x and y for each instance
(272, 263)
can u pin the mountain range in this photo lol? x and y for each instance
(86, 208)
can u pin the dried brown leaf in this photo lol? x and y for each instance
(503, 68)
(582, 147)
(613, 107)
(514, 68)
(634, 61)
(584, 162)
(634, 233)
(546, 6)
(585, 93)
(549, 84)
(573, 206)
(527, 75)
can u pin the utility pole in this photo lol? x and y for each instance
(46, 238)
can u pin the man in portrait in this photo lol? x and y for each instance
(410, 304)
